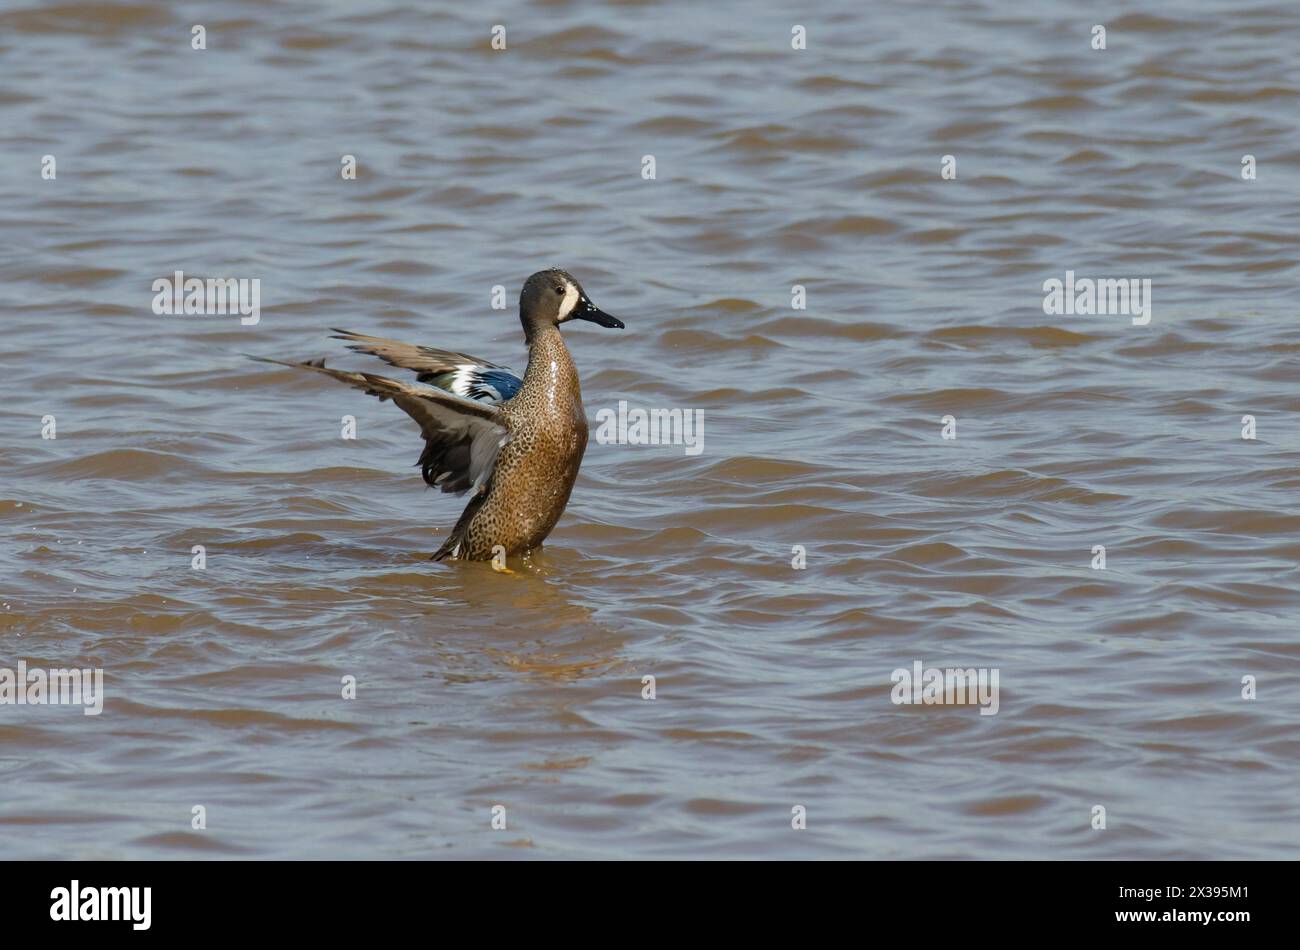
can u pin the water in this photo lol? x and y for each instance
(774, 167)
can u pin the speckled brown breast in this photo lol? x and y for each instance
(535, 472)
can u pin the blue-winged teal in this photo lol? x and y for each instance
(516, 443)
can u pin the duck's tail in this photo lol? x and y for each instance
(451, 547)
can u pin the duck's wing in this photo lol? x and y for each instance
(457, 373)
(461, 437)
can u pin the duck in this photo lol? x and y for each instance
(515, 445)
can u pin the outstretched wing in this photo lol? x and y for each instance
(461, 437)
(456, 373)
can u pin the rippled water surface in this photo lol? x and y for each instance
(774, 167)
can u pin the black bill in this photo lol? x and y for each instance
(586, 310)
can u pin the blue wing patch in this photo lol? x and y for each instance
(492, 386)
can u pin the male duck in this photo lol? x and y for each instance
(516, 443)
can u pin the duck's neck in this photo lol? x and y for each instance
(550, 367)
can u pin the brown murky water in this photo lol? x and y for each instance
(822, 429)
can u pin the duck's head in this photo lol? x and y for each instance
(551, 297)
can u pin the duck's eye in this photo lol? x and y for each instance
(560, 291)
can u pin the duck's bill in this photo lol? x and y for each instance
(586, 310)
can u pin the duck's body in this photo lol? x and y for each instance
(536, 469)
(517, 443)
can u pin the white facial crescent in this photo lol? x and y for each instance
(569, 302)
